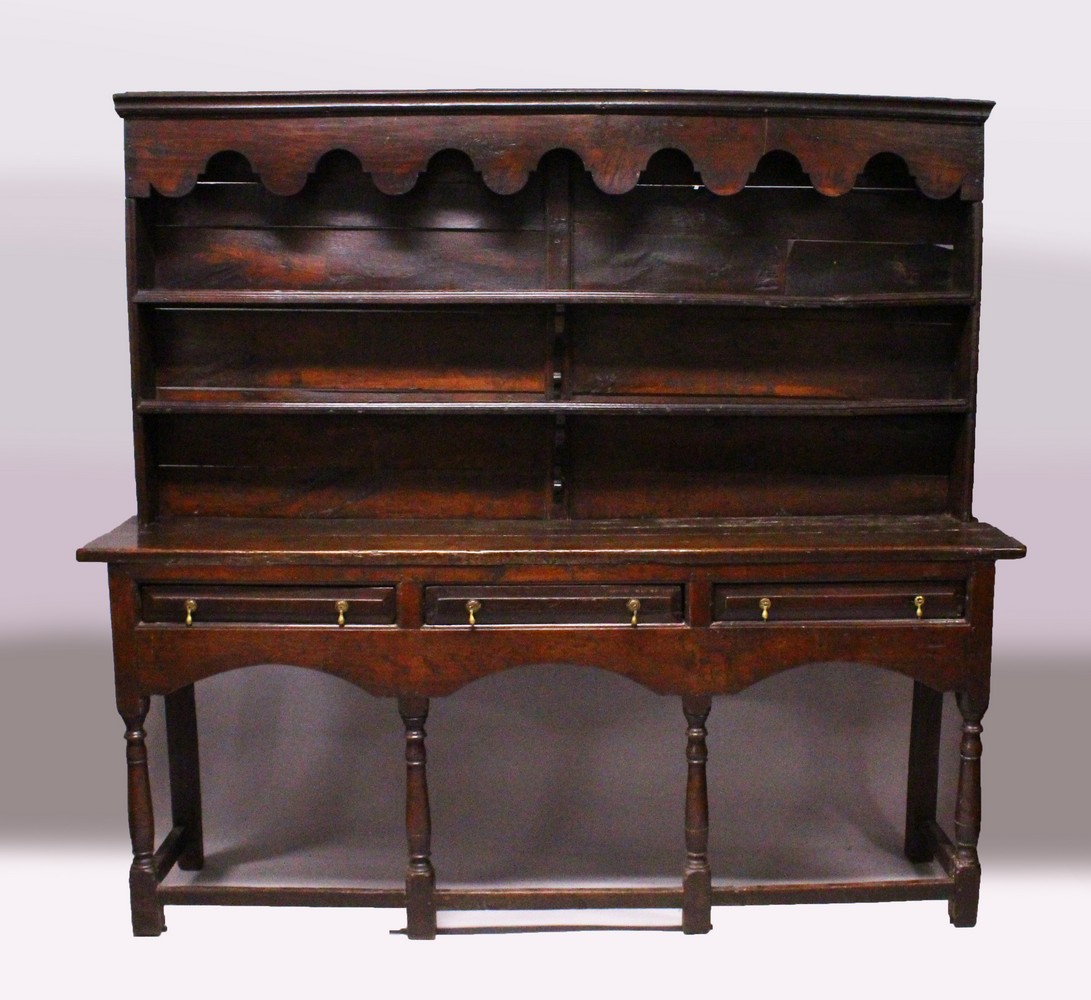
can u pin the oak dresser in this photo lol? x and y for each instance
(431, 385)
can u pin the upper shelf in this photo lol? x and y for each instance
(240, 298)
(170, 137)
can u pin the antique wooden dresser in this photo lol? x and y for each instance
(430, 385)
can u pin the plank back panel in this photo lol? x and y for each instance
(204, 354)
(352, 466)
(760, 466)
(853, 354)
(341, 232)
(765, 240)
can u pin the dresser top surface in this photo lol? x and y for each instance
(651, 102)
(359, 541)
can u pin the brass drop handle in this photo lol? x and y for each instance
(918, 603)
(472, 608)
(765, 604)
(342, 607)
(190, 606)
(634, 606)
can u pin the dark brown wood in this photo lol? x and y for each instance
(791, 355)
(205, 355)
(940, 846)
(724, 136)
(924, 747)
(749, 466)
(185, 775)
(200, 894)
(876, 541)
(831, 601)
(321, 298)
(385, 466)
(697, 877)
(561, 899)
(585, 604)
(676, 385)
(420, 877)
(167, 854)
(147, 911)
(967, 874)
(641, 898)
(676, 240)
(881, 891)
(341, 606)
(352, 260)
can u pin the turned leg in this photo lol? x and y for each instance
(962, 907)
(146, 910)
(420, 878)
(920, 800)
(185, 775)
(697, 880)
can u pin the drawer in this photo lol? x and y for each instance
(839, 602)
(272, 605)
(589, 604)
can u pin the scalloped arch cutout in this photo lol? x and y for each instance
(667, 166)
(779, 168)
(168, 155)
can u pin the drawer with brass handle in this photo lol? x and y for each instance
(881, 601)
(579, 604)
(323, 605)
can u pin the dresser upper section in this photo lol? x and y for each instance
(170, 138)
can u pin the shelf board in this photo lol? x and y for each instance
(620, 407)
(313, 541)
(241, 298)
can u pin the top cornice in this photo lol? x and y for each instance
(552, 102)
(171, 137)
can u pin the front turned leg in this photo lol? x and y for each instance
(420, 878)
(962, 907)
(147, 911)
(697, 879)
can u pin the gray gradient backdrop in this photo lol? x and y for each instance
(557, 773)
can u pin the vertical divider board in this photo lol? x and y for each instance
(558, 168)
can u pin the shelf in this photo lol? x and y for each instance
(371, 404)
(479, 542)
(241, 298)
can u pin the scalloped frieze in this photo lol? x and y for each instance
(168, 155)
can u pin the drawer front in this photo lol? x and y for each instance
(589, 604)
(272, 605)
(839, 602)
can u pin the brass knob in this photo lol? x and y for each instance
(472, 608)
(634, 606)
(190, 606)
(918, 603)
(342, 607)
(765, 604)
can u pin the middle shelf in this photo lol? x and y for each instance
(555, 359)
(284, 401)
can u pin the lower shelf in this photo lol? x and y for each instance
(635, 898)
